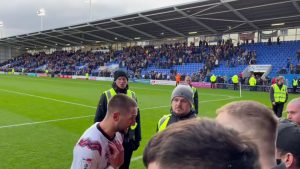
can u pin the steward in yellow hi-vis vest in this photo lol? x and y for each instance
(133, 137)
(295, 85)
(181, 107)
(278, 96)
(252, 83)
(87, 76)
(235, 81)
(188, 81)
(213, 80)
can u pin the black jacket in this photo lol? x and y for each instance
(196, 102)
(102, 109)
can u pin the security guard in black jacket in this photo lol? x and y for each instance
(133, 137)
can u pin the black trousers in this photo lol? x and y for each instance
(213, 85)
(127, 155)
(278, 108)
(252, 88)
(235, 86)
(294, 89)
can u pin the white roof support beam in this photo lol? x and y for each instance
(4, 42)
(284, 17)
(95, 36)
(5, 45)
(195, 20)
(111, 32)
(296, 5)
(16, 44)
(237, 13)
(215, 19)
(235, 27)
(206, 9)
(162, 25)
(64, 40)
(240, 9)
(69, 42)
(50, 41)
(36, 41)
(27, 45)
(44, 39)
(75, 37)
(133, 29)
(44, 44)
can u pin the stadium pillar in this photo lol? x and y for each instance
(1, 27)
(258, 36)
(41, 12)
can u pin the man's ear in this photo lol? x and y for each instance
(116, 116)
(289, 160)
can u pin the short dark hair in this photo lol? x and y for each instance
(288, 138)
(201, 144)
(284, 152)
(120, 102)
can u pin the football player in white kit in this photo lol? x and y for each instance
(100, 146)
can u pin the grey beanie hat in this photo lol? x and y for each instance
(183, 91)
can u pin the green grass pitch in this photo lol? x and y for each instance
(42, 118)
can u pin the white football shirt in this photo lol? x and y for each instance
(92, 150)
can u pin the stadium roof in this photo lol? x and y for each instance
(197, 18)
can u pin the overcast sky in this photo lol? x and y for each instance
(19, 16)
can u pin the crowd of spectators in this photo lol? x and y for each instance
(59, 62)
(289, 68)
(135, 59)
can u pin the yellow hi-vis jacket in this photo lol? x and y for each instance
(163, 122)
(295, 82)
(279, 94)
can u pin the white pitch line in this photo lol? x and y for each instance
(205, 101)
(63, 119)
(140, 157)
(150, 108)
(93, 107)
(78, 104)
(47, 98)
(47, 121)
(136, 158)
(107, 85)
(80, 117)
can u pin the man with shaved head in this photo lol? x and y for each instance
(200, 144)
(256, 122)
(293, 110)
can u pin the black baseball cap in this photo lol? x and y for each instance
(288, 137)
